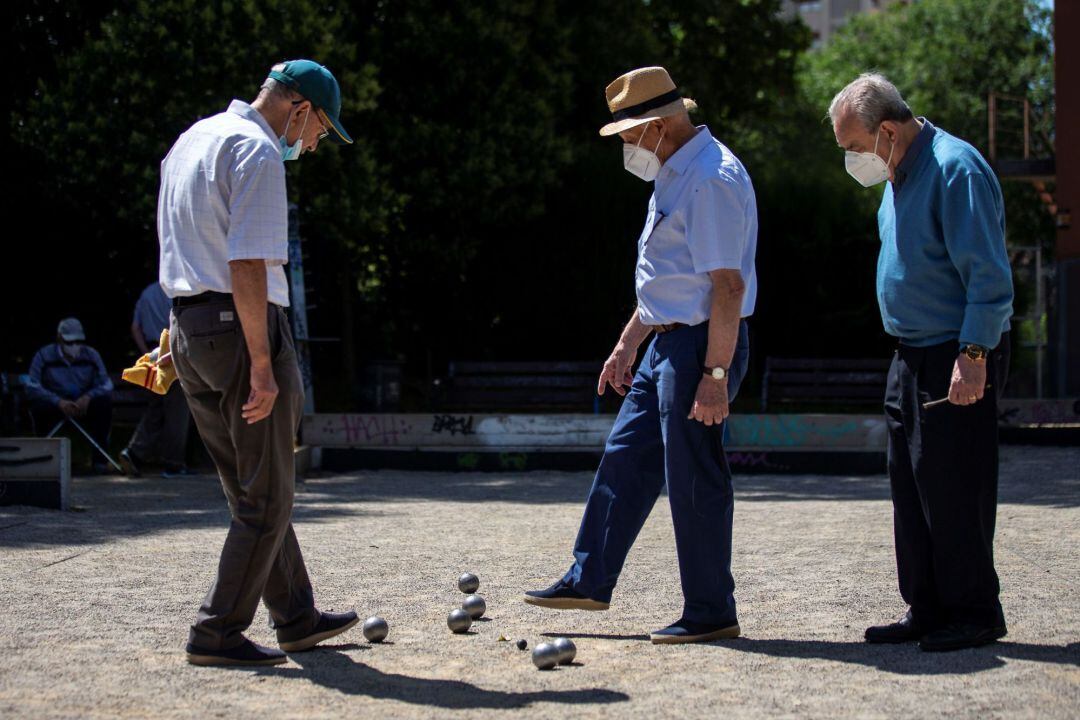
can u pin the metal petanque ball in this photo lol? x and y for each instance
(375, 629)
(468, 583)
(475, 606)
(545, 656)
(567, 650)
(459, 621)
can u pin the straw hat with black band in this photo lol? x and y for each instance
(640, 96)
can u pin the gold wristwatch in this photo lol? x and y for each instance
(975, 352)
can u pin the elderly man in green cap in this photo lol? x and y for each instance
(222, 225)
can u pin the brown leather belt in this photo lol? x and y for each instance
(661, 329)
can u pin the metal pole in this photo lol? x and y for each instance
(1027, 129)
(1040, 341)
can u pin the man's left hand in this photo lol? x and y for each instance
(968, 381)
(83, 404)
(710, 402)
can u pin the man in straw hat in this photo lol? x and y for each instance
(696, 285)
(223, 224)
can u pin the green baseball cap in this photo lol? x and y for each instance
(318, 85)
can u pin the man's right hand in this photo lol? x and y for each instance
(69, 408)
(617, 370)
(264, 392)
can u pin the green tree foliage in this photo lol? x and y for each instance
(478, 214)
(945, 56)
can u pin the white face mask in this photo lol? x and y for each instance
(868, 167)
(639, 161)
(291, 152)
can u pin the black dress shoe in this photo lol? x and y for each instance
(246, 653)
(903, 630)
(957, 636)
(561, 596)
(329, 625)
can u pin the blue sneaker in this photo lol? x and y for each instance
(687, 631)
(561, 596)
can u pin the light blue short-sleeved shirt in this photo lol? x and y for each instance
(702, 217)
(223, 198)
(152, 312)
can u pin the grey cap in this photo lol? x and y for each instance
(70, 330)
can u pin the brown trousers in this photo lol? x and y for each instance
(261, 556)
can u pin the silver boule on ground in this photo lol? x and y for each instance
(458, 621)
(376, 629)
(475, 605)
(468, 583)
(545, 656)
(567, 650)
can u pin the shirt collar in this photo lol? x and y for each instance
(926, 134)
(682, 158)
(244, 110)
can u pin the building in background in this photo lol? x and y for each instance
(824, 17)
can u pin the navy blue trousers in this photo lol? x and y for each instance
(653, 442)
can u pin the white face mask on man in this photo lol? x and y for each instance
(641, 162)
(868, 167)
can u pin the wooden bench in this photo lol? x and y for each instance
(524, 386)
(824, 381)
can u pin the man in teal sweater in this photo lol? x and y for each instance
(945, 291)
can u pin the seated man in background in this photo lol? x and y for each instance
(163, 430)
(68, 380)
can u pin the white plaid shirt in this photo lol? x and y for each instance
(223, 198)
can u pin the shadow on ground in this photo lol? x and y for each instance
(907, 659)
(118, 507)
(335, 670)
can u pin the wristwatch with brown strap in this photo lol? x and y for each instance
(716, 373)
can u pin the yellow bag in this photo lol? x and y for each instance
(148, 373)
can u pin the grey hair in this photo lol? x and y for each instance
(873, 99)
(277, 90)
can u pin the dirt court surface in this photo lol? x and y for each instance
(96, 604)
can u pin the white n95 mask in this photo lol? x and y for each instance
(868, 167)
(639, 161)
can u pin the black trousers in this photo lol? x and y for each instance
(261, 557)
(163, 430)
(97, 421)
(943, 470)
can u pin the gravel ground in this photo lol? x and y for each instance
(96, 604)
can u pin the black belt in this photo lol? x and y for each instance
(201, 298)
(661, 329)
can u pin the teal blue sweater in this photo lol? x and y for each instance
(943, 273)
